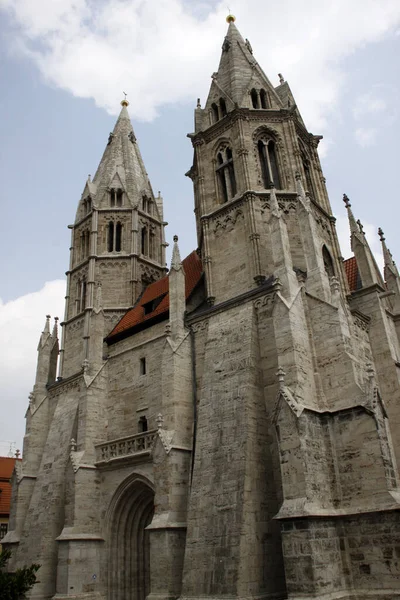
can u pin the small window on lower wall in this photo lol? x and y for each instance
(143, 424)
(143, 366)
(3, 530)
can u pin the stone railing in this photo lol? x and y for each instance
(138, 445)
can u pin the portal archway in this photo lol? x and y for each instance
(131, 511)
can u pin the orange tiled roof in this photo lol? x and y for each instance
(6, 470)
(136, 315)
(352, 274)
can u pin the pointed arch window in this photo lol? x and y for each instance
(119, 197)
(268, 162)
(215, 112)
(254, 98)
(226, 174)
(113, 196)
(222, 105)
(263, 99)
(328, 262)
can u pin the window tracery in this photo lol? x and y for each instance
(266, 147)
(226, 173)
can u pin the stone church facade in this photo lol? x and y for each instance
(231, 429)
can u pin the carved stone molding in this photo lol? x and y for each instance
(200, 326)
(229, 221)
(266, 301)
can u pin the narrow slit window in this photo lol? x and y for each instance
(112, 197)
(144, 241)
(119, 197)
(142, 366)
(110, 236)
(118, 236)
(83, 297)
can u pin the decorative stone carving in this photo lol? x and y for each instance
(228, 222)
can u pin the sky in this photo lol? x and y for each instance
(64, 65)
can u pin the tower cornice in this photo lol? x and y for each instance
(242, 114)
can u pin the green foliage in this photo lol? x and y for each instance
(14, 586)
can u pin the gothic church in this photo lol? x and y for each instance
(230, 429)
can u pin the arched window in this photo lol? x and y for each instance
(268, 163)
(263, 99)
(144, 241)
(110, 229)
(119, 197)
(222, 105)
(144, 203)
(89, 205)
(118, 235)
(226, 174)
(112, 197)
(328, 262)
(254, 98)
(215, 112)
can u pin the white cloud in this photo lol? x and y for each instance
(367, 104)
(21, 321)
(164, 52)
(366, 136)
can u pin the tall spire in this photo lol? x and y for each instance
(122, 164)
(239, 72)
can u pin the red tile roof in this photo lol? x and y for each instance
(352, 274)
(159, 289)
(6, 470)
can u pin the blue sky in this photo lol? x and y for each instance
(63, 69)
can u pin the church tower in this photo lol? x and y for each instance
(117, 243)
(249, 138)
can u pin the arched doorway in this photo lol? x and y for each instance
(131, 511)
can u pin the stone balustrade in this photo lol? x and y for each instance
(138, 445)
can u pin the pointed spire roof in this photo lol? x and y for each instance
(122, 158)
(238, 71)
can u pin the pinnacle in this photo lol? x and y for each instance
(176, 262)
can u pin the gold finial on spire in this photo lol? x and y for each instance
(124, 102)
(230, 18)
